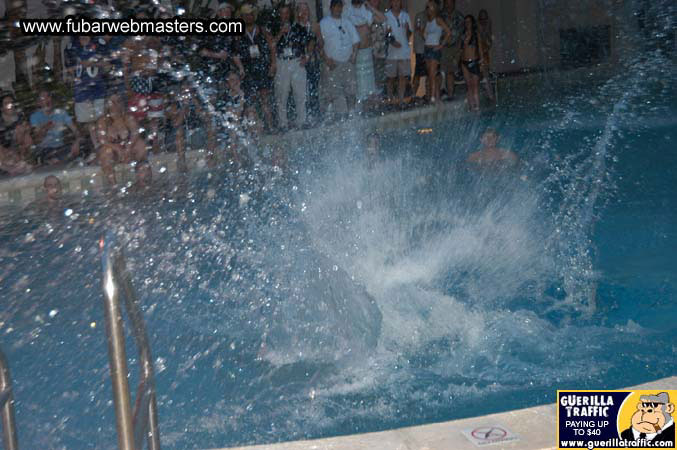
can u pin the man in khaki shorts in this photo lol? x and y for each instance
(398, 59)
(339, 51)
(451, 54)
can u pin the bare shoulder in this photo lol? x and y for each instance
(131, 123)
(475, 157)
(510, 155)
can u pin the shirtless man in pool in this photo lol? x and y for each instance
(490, 154)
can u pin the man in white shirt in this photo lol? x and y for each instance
(362, 14)
(339, 51)
(398, 55)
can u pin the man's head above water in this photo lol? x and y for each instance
(490, 138)
(52, 187)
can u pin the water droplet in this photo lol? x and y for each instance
(160, 364)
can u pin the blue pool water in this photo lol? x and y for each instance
(336, 298)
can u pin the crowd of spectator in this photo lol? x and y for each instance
(123, 98)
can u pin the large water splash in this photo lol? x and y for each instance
(407, 292)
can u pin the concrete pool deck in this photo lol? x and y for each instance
(534, 428)
(19, 191)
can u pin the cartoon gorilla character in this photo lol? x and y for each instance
(652, 420)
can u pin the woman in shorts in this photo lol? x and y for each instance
(436, 34)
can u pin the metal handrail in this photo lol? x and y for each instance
(9, 438)
(133, 426)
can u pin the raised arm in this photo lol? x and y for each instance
(378, 15)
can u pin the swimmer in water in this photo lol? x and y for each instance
(490, 154)
(53, 190)
(52, 202)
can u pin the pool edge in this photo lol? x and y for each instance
(535, 427)
(20, 191)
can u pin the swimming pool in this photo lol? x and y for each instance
(337, 298)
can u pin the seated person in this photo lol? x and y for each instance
(235, 108)
(120, 139)
(490, 155)
(49, 125)
(185, 116)
(15, 133)
(233, 103)
(11, 164)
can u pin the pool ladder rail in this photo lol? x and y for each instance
(9, 438)
(142, 423)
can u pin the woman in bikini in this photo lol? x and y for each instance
(120, 139)
(471, 61)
